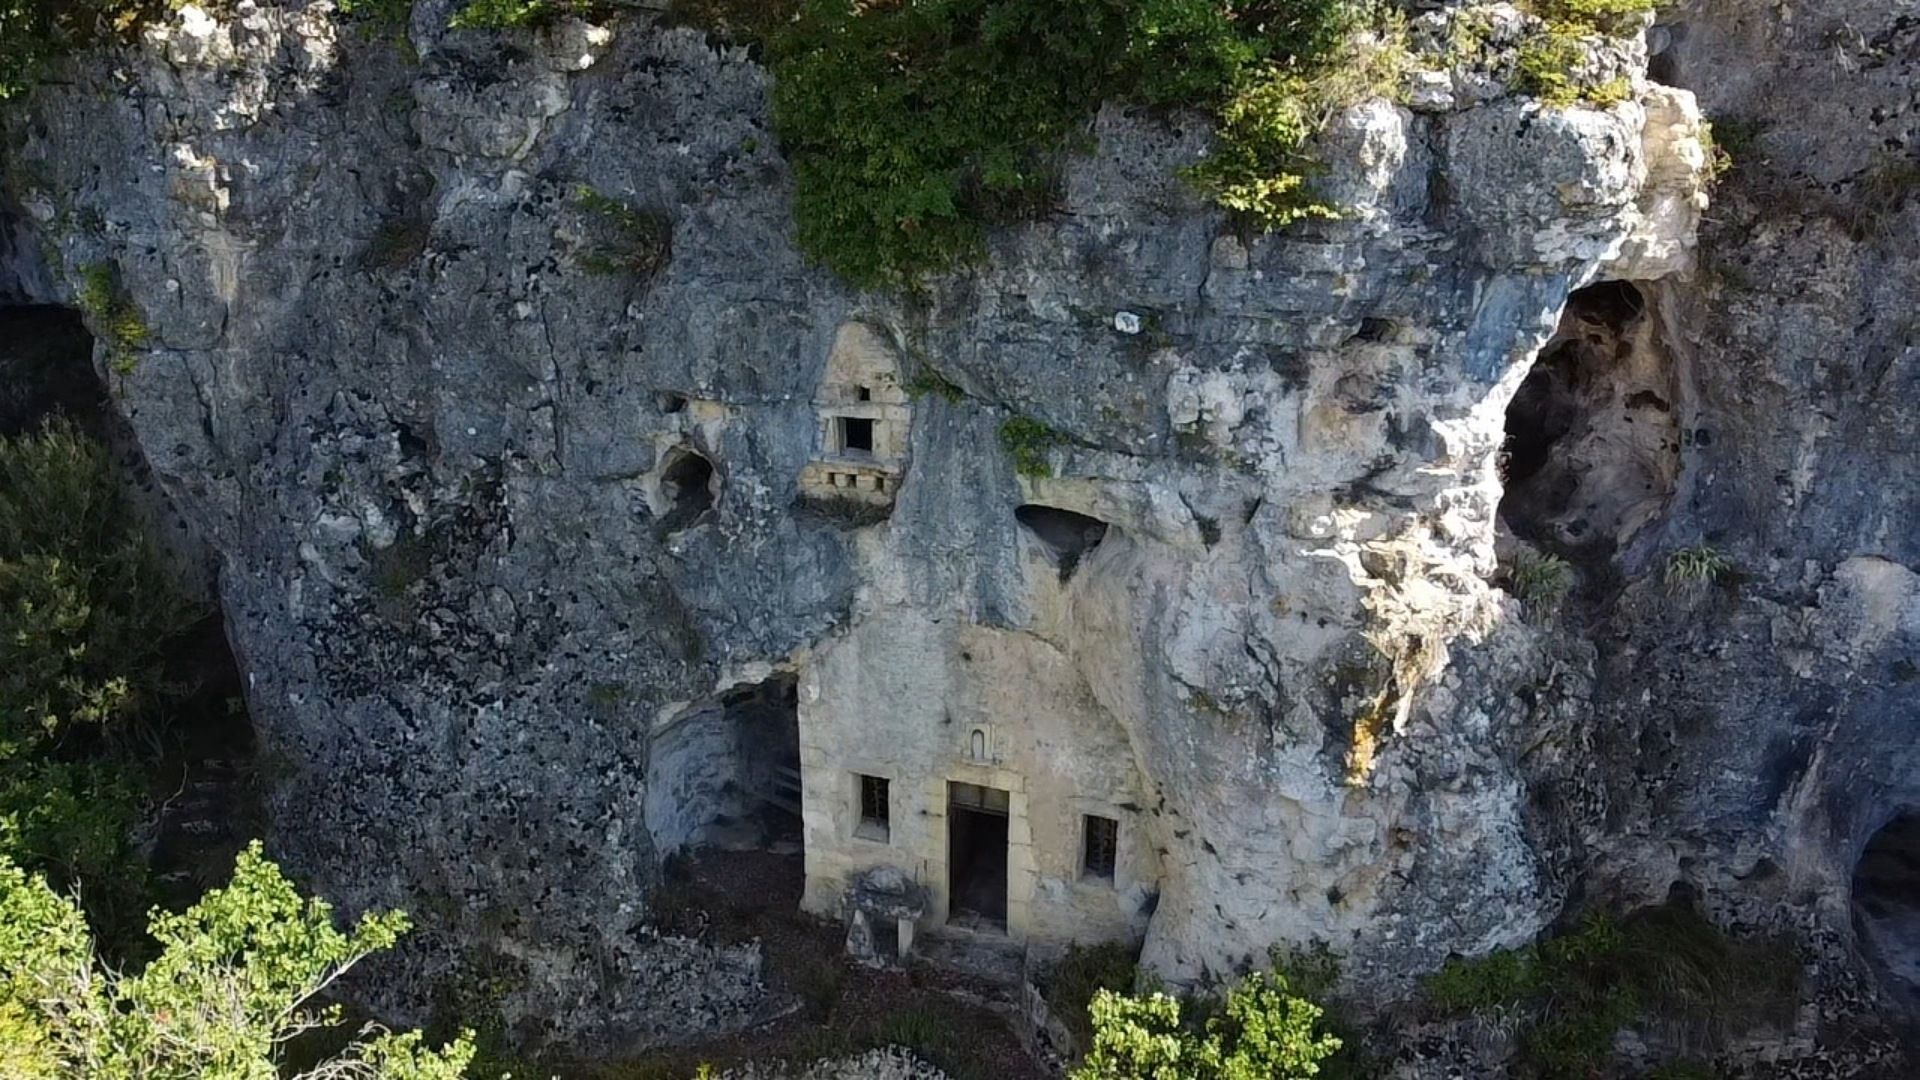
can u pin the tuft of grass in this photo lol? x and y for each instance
(638, 242)
(1691, 567)
(1029, 442)
(1082, 972)
(1540, 582)
(928, 381)
(115, 318)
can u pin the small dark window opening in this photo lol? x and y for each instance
(856, 435)
(687, 481)
(875, 817)
(1102, 846)
(865, 393)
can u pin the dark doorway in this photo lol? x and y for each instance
(977, 855)
(1886, 908)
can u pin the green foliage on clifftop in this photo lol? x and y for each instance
(915, 126)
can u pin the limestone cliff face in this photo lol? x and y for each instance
(505, 540)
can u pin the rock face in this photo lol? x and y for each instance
(518, 503)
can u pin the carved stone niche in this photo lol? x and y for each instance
(864, 416)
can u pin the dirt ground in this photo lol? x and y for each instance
(838, 1007)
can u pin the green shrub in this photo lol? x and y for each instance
(913, 127)
(382, 18)
(87, 617)
(737, 22)
(1083, 972)
(1265, 1032)
(1028, 442)
(513, 14)
(1664, 968)
(231, 984)
(637, 242)
(33, 33)
(1549, 61)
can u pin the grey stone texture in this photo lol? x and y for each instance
(426, 441)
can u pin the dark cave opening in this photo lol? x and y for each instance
(1066, 536)
(46, 368)
(725, 774)
(688, 484)
(765, 719)
(1592, 445)
(1886, 908)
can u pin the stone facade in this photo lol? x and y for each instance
(925, 705)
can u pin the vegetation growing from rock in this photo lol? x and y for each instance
(235, 979)
(1081, 974)
(1694, 566)
(1550, 63)
(86, 619)
(1540, 581)
(35, 32)
(510, 14)
(634, 241)
(113, 314)
(1665, 969)
(1265, 1031)
(1028, 442)
(914, 127)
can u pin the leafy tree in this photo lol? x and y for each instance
(87, 616)
(1266, 1033)
(234, 980)
(33, 32)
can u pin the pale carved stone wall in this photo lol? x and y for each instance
(900, 698)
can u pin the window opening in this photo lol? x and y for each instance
(865, 393)
(1102, 846)
(875, 816)
(856, 435)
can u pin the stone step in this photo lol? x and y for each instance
(984, 955)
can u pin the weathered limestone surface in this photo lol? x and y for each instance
(430, 445)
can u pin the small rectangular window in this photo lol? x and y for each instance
(875, 812)
(865, 393)
(856, 435)
(1102, 846)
